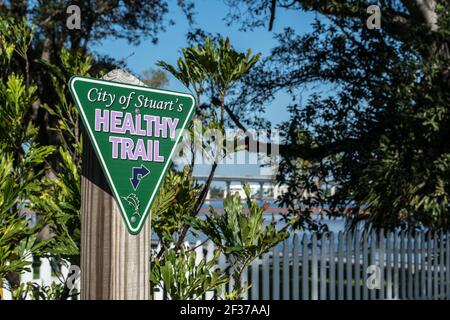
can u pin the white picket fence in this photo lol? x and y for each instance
(312, 267)
(43, 275)
(336, 267)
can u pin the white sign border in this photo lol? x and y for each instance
(74, 79)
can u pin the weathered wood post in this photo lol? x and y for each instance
(114, 263)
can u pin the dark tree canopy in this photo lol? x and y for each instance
(120, 19)
(376, 123)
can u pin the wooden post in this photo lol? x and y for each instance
(114, 263)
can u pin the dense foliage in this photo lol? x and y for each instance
(374, 121)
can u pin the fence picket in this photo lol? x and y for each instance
(423, 284)
(403, 265)
(410, 266)
(27, 276)
(332, 268)
(255, 279)
(389, 240)
(416, 267)
(295, 268)
(45, 272)
(6, 293)
(314, 271)
(435, 266)
(265, 271)
(396, 268)
(323, 267)
(373, 259)
(357, 260)
(340, 266)
(365, 264)
(286, 273)
(381, 264)
(305, 268)
(275, 273)
(429, 267)
(348, 265)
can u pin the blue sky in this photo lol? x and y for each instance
(210, 15)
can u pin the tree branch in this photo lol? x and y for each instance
(424, 11)
(303, 151)
(272, 14)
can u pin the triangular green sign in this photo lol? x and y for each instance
(134, 131)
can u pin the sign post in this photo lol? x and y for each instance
(130, 135)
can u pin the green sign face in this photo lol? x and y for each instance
(134, 131)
